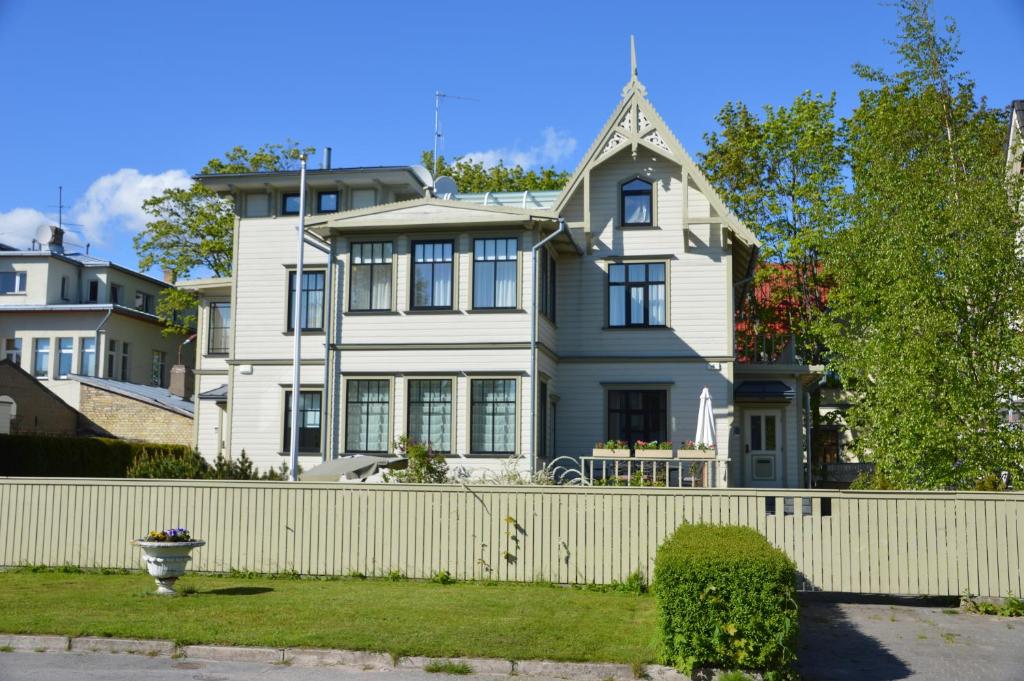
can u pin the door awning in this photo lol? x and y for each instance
(763, 391)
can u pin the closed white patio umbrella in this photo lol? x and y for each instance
(706, 423)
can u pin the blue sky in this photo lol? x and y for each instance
(117, 100)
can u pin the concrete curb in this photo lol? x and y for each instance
(98, 644)
(27, 644)
(327, 657)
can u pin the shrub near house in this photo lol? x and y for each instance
(726, 599)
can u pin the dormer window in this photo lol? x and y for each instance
(637, 203)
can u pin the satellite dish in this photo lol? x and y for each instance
(445, 187)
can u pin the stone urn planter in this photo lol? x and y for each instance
(166, 554)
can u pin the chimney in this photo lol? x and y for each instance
(182, 382)
(326, 162)
(170, 276)
(56, 243)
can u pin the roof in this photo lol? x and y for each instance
(208, 285)
(416, 175)
(82, 260)
(84, 307)
(220, 393)
(526, 199)
(152, 395)
(764, 391)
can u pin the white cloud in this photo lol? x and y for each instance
(115, 200)
(555, 146)
(20, 225)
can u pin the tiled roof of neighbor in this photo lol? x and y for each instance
(156, 396)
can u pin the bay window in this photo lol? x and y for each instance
(370, 287)
(430, 413)
(492, 418)
(495, 270)
(432, 275)
(366, 415)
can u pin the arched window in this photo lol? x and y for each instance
(637, 204)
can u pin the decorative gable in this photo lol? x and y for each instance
(635, 124)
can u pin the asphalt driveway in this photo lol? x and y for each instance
(885, 640)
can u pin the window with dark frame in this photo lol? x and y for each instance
(637, 203)
(65, 354)
(64, 288)
(637, 415)
(115, 294)
(430, 413)
(111, 358)
(94, 291)
(290, 204)
(432, 275)
(309, 421)
(12, 282)
(492, 417)
(495, 270)
(370, 286)
(327, 202)
(219, 329)
(41, 358)
(366, 415)
(12, 350)
(548, 276)
(311, 303)
(636, 294)
(87, 357)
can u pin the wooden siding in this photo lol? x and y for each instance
(912, 543)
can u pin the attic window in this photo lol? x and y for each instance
(637, 203)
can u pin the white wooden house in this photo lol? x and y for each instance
(420, 311)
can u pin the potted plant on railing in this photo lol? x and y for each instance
(654, 449)
(166, 554)
(693, 450)
(611, 448)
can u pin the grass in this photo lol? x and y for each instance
(403, 618)
(448, 667)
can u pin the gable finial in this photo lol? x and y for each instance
(632, 58)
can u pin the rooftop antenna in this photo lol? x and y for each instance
(438, 135)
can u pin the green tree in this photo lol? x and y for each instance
(782, 174)
(474, 177)
(925, 323)
(191, 229)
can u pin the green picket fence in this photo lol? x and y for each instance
(914, 543)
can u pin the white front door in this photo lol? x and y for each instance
(763, 448)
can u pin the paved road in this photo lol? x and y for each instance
(862, 641)
(107, 667)
(891, 641)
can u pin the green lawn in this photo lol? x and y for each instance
(504, 621)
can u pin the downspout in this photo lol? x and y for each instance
(328, 325)
(533, 342)
(328, 318)
(99, 346)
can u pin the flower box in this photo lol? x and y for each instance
(610, 453)
(704, 454)
(654, 453)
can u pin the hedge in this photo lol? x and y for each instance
(77, 457)
(726, 599)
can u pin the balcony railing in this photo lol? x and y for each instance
(639, 471)
(767, 349)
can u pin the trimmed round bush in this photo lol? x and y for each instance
(726, 599)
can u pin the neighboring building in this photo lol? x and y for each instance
(1015, 143)
(417, 316)
(67, 313)
(28, 406)
(136, 412)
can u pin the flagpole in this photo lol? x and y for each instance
(293, 445)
